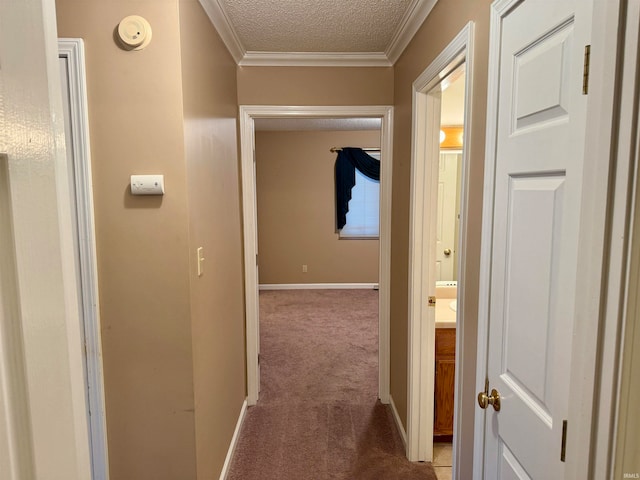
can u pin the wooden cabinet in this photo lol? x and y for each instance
(445, 381)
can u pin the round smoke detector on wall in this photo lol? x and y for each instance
(134, 32)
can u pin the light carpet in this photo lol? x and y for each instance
(318, 416)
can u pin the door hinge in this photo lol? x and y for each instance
(256, 259)
(563, 448)
(585, 72)
(431, 301)
(258, 359)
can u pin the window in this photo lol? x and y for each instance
(363, 217)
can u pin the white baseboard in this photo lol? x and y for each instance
(234, 442)
(396, 417)
(317, 286)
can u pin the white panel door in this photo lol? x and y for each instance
(538, 186)
(446, 226)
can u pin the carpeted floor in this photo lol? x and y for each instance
(318, 416)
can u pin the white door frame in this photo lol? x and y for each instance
(51, 439)
(595, 356)
(247, 145)
(424, 166)
(620, 286)
(73, 50)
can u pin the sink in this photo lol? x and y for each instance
(454, 305)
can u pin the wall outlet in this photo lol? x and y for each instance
(304, 269)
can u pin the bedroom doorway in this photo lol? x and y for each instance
(248, 117)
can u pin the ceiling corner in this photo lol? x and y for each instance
(225, 29)
(413, 19)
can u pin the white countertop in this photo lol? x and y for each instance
(445, 316)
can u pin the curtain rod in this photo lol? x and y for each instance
(368, 149)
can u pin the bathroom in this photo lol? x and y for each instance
(447, 264)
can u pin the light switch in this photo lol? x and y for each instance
(147, 184)
(200, 255)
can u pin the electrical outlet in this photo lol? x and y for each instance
(304, 269)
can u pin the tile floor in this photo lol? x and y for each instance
(442, 460)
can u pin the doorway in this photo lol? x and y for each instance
(74, 104)
(248, 114)
(434, 256)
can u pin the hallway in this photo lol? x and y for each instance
(318, 416)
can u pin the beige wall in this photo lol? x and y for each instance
(217, 301)
(444, 23)
(296, 210)
(135, 115)
(315, 86)
(145, 245)
(148, 290)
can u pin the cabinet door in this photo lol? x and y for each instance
(444, 392)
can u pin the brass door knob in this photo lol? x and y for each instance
(447, 252)
(485, 400)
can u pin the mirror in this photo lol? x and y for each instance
(449, 176)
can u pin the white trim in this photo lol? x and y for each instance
(43, 247)
(318, 286)
(73, 50)
(413, 19)
(224, 27)
(234, 441)
(619, 213)
(421, 352)
(411, 22)
(626, 389)
(247, 135)
(625, 442)
(314, 59)
(498, 9)
(250, 239)
(396, 418)
(16, 454)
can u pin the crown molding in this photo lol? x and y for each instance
(315, 59)
(413, 19)
(225, 29)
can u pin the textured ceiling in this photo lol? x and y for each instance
(315, 25)
(317, 32)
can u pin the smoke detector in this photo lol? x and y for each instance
(134, 32)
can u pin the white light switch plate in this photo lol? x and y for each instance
(147, 184)
(200, 254)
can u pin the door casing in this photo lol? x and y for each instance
(424, 169)
(247, 145)
(72, 49)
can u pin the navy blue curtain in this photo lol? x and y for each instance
(350, 158)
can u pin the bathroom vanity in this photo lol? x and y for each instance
(445, 365)
(445, 381)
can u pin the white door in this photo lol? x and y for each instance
(537, 200)
(447, 213)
